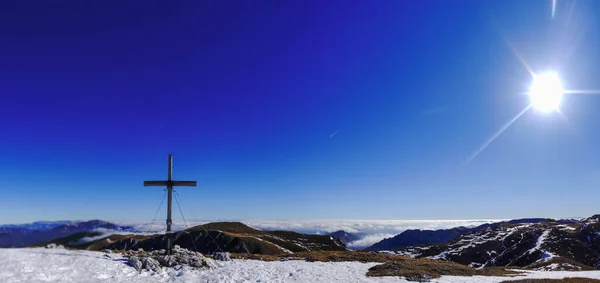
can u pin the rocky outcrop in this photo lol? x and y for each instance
(54, 246)
(221, 256)
(156, 260)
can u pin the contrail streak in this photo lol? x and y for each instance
(496, 135)
(553, 8)
(335, 133)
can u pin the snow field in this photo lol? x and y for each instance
(59, 265)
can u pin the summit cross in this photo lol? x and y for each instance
(169, 183)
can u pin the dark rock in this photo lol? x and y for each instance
(135, 262)
(155, 260)
(221, 256)
(151, 264)
(54, 246)
(167, 260)
(420, 278)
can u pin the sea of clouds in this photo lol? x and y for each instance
(371, 231)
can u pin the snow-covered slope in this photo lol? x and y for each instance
(520, 245)
(57, 265)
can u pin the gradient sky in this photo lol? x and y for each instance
(296, 109)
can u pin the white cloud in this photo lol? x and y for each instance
(105, 233)
(392, 227)
(368, 240)
(372, 230)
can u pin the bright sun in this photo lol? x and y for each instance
(546, 92)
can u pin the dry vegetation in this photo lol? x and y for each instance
(423, 269)
(326, 256)
(561, 260)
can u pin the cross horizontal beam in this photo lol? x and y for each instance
(170, 183)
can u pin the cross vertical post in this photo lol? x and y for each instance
(169, 183)
(169, 203)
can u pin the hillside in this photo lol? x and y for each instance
(417, 237)
(521, 244)
(229, 236)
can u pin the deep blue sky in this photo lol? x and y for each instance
(295, 109)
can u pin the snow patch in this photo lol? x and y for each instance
(278, 246)
(566, 227)
(540, 241)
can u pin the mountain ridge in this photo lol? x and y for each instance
(520, 244)
(416, 237)
(216, 236)
(345, 237)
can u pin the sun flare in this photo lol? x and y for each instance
(546, 92)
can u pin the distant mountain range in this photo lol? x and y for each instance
(22, 235)
(218, 236)
(38, 225)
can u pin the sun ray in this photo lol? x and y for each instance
(582, 91)
(520, 57)
(497, 134)
(562, 114)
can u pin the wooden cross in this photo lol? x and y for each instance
(170, 184)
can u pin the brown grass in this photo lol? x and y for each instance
(257, 257)
(326, 256)
(99, 244)
(560, 260)
(424, 269)
(233, 227)
(565, 280)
